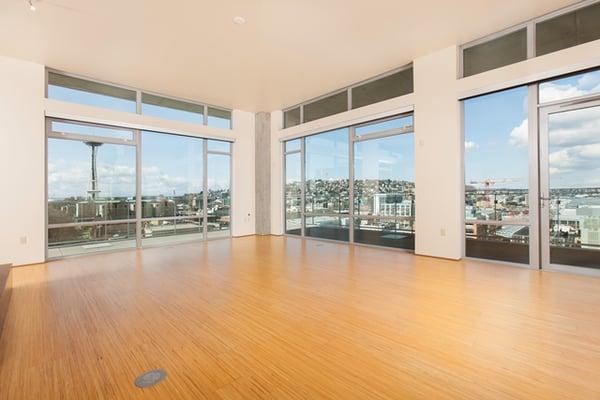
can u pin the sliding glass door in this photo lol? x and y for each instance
(532, 174)
(570, 184)
(384, 185)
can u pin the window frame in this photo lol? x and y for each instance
(347, 89)
(137, 143)
(352, 139)
(138, 101)
(530, 25)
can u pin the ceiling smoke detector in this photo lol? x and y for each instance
(239, 20)
(31, 5)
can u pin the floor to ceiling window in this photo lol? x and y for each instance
(293, 187)
(111, 188)
(532, 194)
(172, 187)
(497, 176)
(353, 184)
(218, 168)
(326, 187)
(384, 184)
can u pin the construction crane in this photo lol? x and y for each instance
(488, 183)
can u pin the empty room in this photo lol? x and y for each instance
(300, 199)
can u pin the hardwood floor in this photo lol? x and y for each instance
(277, 318)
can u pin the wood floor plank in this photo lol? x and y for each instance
(284, 318)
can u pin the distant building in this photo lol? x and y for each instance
(393, 204)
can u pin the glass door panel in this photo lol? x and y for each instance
(570, 200)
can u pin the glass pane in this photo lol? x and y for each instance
(327, 106)
(90, 130)
(177, 110)
(75, 90)
(569, 87)
(171, 230)
(495, 53)
(292, 145)
(293, 194)
(574, 168)
(397, 84)
(383, 232)
(505, 242)
(291, 117)
(567, 30)
(219, 145)
(218, 118)
(327, 189)
(384, 185)
(497, 174)
(396, 123)
(74, 240)
(325, 227)
(90, 181)
(219, 195)
(497, 156)
(171, 175)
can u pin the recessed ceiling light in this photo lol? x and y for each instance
(31, 6)
(239, 20)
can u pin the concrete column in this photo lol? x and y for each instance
(263, 173)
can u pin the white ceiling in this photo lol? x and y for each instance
(287, 52)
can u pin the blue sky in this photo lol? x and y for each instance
(496, 136)
(495, 148)
(495, 139)
(170, 163)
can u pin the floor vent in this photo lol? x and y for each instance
(150, 378)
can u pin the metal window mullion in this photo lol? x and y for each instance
(175, 218)
(303, 187)
(223, 153)
(301, 113)
(138, 101)
(205, 189)
(231, 192)
(531, 50)
(534, 177)
(284, 185)
(386, 133)
(138, 189)
(92, 223)
(351, 183)
(205, 117)
(88, 138)
(349, 97)
(498, 222)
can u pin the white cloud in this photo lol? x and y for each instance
(590, 80)
(519, 136)
(575, 128)
(470, 145)
(583, 158)
(586, 84)
(552, 91)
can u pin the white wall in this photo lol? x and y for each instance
(438, 156)
(243, 207)
(438, 135)
(22, 166)
(22, 157)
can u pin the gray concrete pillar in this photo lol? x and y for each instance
(263, 173)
